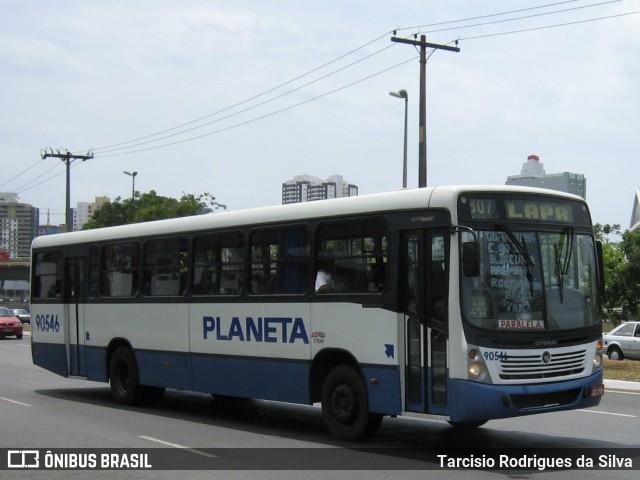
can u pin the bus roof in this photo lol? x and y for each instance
(434, 197)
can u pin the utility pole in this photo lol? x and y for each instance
(422, 132)
(67, 157)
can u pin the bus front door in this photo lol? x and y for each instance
(424, 284)
(74, 315)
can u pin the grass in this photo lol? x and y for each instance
(622, 370)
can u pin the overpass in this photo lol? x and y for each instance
(14, 270)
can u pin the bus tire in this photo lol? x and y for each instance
(345, 405)
(125, 381)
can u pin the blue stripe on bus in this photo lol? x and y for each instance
(164, 369)
(384, 395)
(51, 356)
(280, 380)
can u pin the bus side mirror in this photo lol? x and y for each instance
(470, 259)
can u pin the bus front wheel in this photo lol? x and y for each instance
(125, 382)
(345, 405)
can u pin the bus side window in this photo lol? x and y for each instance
(359, 251)
(119, 270)
(279, 261)
(47, 275)
(218, 264)
(165, 267)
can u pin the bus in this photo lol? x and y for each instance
(461, 303)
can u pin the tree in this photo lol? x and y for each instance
(150, 206)
(625, 285)
(613, 258)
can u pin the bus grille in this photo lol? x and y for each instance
(542, 365)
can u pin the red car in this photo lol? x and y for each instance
(9, 324)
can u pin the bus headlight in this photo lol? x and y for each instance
(597, 359)
(476, 368)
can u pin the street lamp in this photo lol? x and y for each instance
(133, 187)
(403, 94)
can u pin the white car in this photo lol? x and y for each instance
(623, 341)
(23, 315)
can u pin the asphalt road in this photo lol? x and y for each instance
(259, 439)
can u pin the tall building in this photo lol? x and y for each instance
(85, 210)
(635, 213)
(534, 175)
(18, 226)
(307, 188)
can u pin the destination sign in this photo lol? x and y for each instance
(537, 210)
(528, 208)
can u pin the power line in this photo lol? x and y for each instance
(335, 90)
(525, 17)
(324, 77)
(251, 98)
(29, 185)
(23, 187)
(480, 17)
(112, 147)
(19, 174)
(545, 27)
(149, 139)
(262, 117)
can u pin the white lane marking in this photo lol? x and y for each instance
(608, 413)
(14, 401)
(175, 445)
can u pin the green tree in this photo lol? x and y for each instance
(613, 258)
(150, 206)
(625, 285)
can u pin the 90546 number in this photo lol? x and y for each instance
(47, 323)
(495, 356)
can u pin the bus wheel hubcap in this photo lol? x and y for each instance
(344, 403)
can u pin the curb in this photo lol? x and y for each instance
(621, 385)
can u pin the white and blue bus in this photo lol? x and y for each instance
(467, 303)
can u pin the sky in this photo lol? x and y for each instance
(233, 98)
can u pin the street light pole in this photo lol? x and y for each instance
(133, 186)
(403, 94)
(422, 120)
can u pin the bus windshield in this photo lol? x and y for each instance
(531, 280)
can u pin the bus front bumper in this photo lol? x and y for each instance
(477, 402)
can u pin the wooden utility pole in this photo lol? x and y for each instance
(422, 132)
(67, 157)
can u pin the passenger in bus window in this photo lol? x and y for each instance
(324, 277)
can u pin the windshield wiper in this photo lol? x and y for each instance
(567, 259)
(562, 266)
(523, 250)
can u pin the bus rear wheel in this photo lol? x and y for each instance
(124, 380)
(345, 405)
